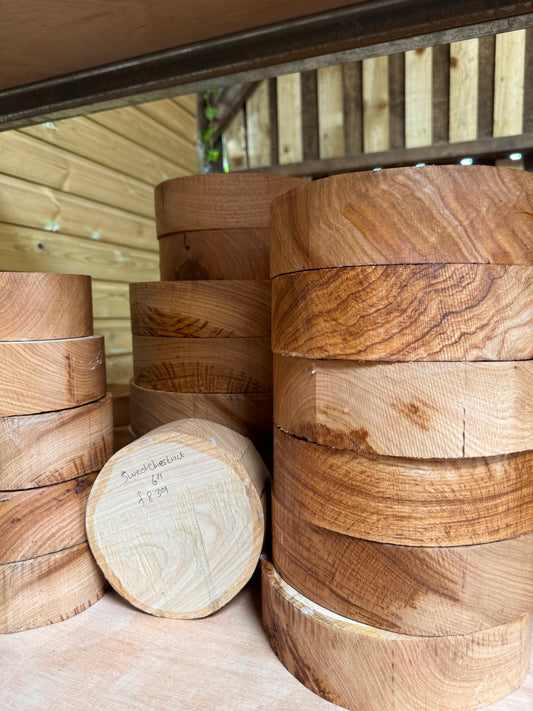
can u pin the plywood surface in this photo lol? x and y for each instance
(114, 657)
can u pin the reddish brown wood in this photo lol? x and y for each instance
(432, 312)
(435, 214)
(408, 589)
(361, 667)
(413, 502)
(215, 254)
(37, 306)
(218, 201)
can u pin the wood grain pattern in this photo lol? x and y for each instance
(48, 589)
(434, 214)
(208, 365)
(413, 502)
(249, 414)
(215, 254)
(37, 306)
(428, 410)
(444, 312)
(175, 519)
(41, 376)
(39, 521)
(408, 589)
(218, 201)
(48, 448)
(202, 309)
(361, 667)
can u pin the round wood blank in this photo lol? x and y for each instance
(47, 589)
(208, 365)
(361, 667)
(38, 521)
(408, 589)
(429, 410)
(242, 254)
(217, 201)
(37, 306)
(435, 214)
(412, 502)
(38, 450)
(201, 309)
(41, 376)
(175, 519)
(436, 312)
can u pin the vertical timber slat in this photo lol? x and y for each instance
(485, 111)
(463, 90)
(258, 127)
(235, 137)
(290, 145)
(330, 112)
(352, 107)
(418, 98)
(509, 83)
(397, 100)
(376, 104)
(310, 114)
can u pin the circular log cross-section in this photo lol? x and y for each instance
(421, 409)
(44, 449)
(361, 667)
(175, 519)
(436, 312)
(411, 502)
(218, 201)
(409, 589)
(201, 309)
(39, 521)
(48, 589)
(242, 254)
(43, 376)
(207, 365)
(435, 214)
(37, 306)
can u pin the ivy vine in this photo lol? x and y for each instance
(210, 113)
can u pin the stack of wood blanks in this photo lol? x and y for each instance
(402, 511)
(201, 336)
(56, 432)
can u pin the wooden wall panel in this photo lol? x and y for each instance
(463, 90)
(289, 119)
(330, 112)
(418, 97)
(77, 197)
(235, 136)
(376, 118)
(258, 126)
(509, 83)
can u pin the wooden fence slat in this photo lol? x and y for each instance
(31, 159)
(235, 137)
(136, 126)
(27, 249)
(397, 100)
(172, 116)
(330, 112)
(310, 115)
(119, 368)
(509, 83)
(290, 147)
(485, 110)
(110, 299)
(418, 97)
(187, 102)
(258, 126)
(376, 121)
(32, 205)
(117, 333)
(352, 81)
(463, 90)
(97, 143)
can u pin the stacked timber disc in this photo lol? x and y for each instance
(56, 432)
(201, 337)
(402, 512)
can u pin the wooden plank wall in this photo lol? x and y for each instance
(76, 196)
(478, 88)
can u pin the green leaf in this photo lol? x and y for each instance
(212, 155)
(207, 135)
(210, 112)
